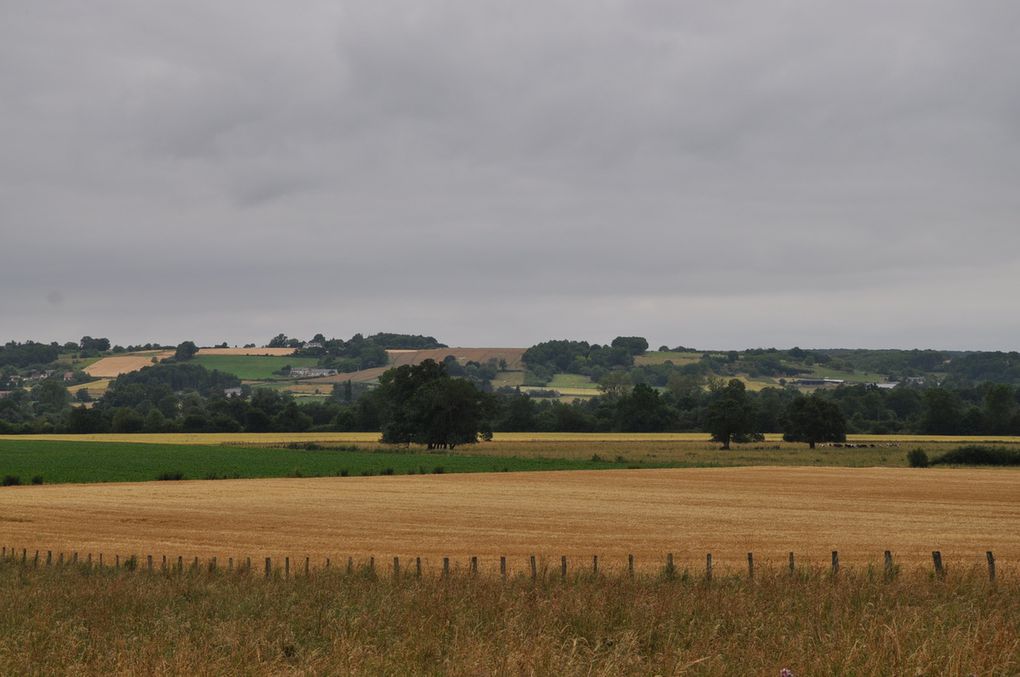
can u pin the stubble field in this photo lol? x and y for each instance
(648, 513)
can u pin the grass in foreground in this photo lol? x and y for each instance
(62, 462)
(72, 620)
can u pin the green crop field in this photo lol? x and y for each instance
(661, 357)
(575, 381)
(58, 462)
(253, 367)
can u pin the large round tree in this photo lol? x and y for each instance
(812, 420)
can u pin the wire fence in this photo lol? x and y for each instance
(534, 566)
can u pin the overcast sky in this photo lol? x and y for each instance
(712, 174)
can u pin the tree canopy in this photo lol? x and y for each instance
(812, 420)
(730, 416)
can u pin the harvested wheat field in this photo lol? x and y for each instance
(112, 367)
(275, 352)
(689, 512)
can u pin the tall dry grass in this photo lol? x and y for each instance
(78, 620)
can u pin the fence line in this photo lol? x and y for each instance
(666, 567)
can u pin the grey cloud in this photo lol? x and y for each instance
(725, 174)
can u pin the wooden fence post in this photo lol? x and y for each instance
(327, 562)
(890, 570)
(708, 567)
(269, 567)
(991, 565)
(116, 562)
(563, 567)
(74, 557)
(35, 560)
(49, 558)
(60, 559)
(247, 564)
(534, 568)
(286, 567)
(194, 565)
(180, 564)
(446, 567)
(417, 567)
(936, 558)
(630, 565)
(308, 567)
(396, 567)
(148, 563)
(835, 562)
(670, 569)
(595, 565)
(502, 566)
(350, 564)
(750, 566)
(793, 565)
(24, 555)
(371, 565)
(474, 566)
(230, 564)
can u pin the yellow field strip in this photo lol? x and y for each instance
(726, 511)
(369, 437)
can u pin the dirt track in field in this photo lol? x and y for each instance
(689, 512)
(112, 367)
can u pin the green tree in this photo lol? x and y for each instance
(730, 417)
(942, 412)
(812, 420)
(642, 411)
(422, 404)
(185, 351)
(126, 420)
(635, 345)
(50, 396)
(447, 412)
(999, 408)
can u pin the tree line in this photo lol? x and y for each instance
(427, 404)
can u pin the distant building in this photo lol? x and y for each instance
(311, 372)
(232, 392)
(68, 376)
(4, 393)
(311, 344)
(818, 382)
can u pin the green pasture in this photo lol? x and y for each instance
(563, 380)
(253, 367)
(661, 357)
(74, 462)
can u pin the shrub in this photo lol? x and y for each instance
(388, 471)
(917, 458)
(11, 481)
(170, 476)
(345, 472)
(37, 479)
(438, 470)
(974, 454)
